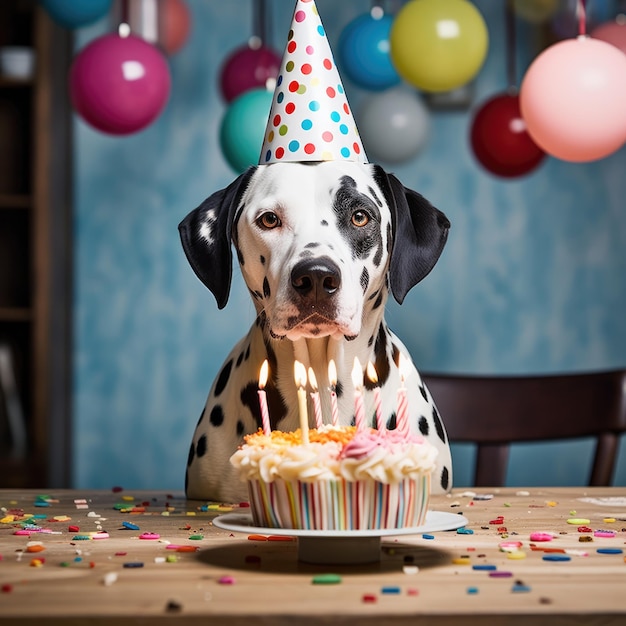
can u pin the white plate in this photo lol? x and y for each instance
(340, 546)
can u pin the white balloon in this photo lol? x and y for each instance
(394, 125)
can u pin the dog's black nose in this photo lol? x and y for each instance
(317, 279)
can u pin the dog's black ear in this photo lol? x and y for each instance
(420, 232)
(206, 237)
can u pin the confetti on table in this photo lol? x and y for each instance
(520, 588)
(226, 580)
(472, 591)
(609, 551)
(604, 533)
(369, 598)
(542, 536)
(578, 521)
(133, 564)
(109, 578)
(410, 569)
(390, 590)
(556, 557)
(326, 579)
(130, 526)
(150, 536)
(484, 567)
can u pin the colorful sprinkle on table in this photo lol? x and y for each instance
(326, 579)
(609, 551)
(226, 580)
(556, 557)
(150, 536)
(578, 521)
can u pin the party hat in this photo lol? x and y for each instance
(310, 119)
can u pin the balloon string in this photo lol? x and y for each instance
(259, 21)
(125, 12)
(511, 63)
(582, 18)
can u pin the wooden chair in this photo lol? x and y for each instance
(494, 412)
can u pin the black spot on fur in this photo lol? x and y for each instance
(186, 481)
(192, 454)
(239, 359)
(370, 341)
(201, 446)
(378, 302)
(365, 279)
(372, 296)
(391, 422)
(222, 379)
(378, 256)
(438, 425)
(395, 354)
(423, 426)
(313, 244)
(389, 238)
(381, 362)
(275, 404)
(239, 428)
(350, 337)
(266, 288)
(240, 257)
(217, 415)
(324, 223)
(305, 254)
(246, 356)
(339, 389)
(262, 259)
(445, 478)
(422, 388)
(374, 195)
(257, 295)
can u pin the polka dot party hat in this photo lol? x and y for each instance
(310, 119)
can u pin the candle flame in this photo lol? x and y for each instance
(332, 373)
(299, 374)
(403, 367)
(357, 374)
(371, 372)
(263, 374)
(312, 379)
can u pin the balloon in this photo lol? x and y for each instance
(119, 85)
(438, 45)
(364, 52)
(565, 22)
(76, 13)
(535, 11)
(174, 25)
(500, 140)
(573, 99)
(613, 33)
(394, 125)
(243, 127)
(248, 68)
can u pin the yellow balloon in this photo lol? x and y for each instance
(438, 45)
(535, 11)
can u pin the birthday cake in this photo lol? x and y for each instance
(341, 479)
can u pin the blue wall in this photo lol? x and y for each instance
(532, 279)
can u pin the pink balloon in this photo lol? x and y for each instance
(119, 85)
(573, 99)
(248, 68)
(613, 33)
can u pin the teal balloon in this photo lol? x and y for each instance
(76, 13)
(243, 128)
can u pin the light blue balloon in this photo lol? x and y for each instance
(76, 13)
(243, 128)
(363, 53)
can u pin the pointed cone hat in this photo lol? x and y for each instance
(310, 119)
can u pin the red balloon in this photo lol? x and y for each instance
(248, 68)
(613, 33)
(119, 85)
(174, 25)
(500, 140)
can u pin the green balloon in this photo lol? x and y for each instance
(243, 127)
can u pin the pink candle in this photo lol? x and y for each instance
(265, 414)
(402, 411)
(357, 381)
(332, 379)
(300, 377)
(315, 396)
(373, 376)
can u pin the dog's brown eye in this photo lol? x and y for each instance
(360, 218)
(269, 220)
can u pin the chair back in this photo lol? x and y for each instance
(495, 411)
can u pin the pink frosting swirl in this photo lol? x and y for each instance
(362, 444)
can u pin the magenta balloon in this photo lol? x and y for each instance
(119, 85)
(613, 33)
(573, 99)
(248, 68)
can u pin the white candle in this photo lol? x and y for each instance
(315, 396)
(265, 414)
(300, 377)
(332, 379)
(357, 381)
(402, 411)
(373, 376)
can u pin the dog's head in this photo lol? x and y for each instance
(315, 242)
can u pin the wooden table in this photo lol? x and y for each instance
(446, 578)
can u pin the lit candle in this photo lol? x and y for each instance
(315, 396)
(332, 379)
(373, 376)
(357, 381)
(265, 414)
(402, 411)
(299, 372)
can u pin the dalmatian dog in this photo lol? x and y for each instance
(320, 246)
